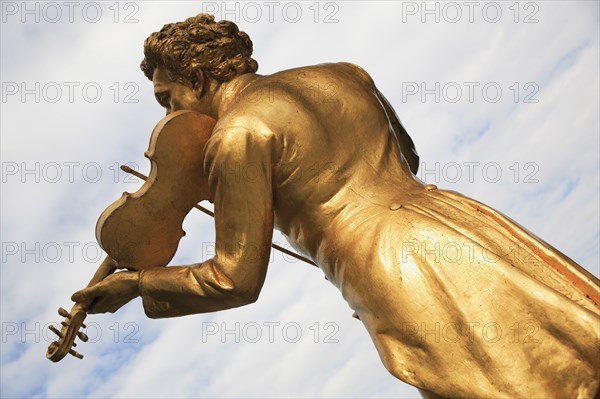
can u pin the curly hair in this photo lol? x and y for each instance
(199, 47)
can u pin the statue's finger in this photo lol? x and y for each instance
(80, 295)
(87, 293)
(99, 305)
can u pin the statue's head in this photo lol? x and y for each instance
(199, 51)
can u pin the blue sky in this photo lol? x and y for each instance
(502, 104)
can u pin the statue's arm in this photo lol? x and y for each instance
(238, 167)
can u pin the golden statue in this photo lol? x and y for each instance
(319, 153)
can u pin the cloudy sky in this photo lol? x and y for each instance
(501, 100)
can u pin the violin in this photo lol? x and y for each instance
(142, 230)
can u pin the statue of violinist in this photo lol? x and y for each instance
(333, 170)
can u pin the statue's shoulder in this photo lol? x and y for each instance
(357, 71)
(315, 88)
(334, 71)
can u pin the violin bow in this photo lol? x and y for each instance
(139, 175)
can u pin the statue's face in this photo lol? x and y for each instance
(174, 96)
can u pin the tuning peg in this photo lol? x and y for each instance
(82, 336)
(64, 313)
(74, 344)
(83, 325)
(55, 331)
(76, 354)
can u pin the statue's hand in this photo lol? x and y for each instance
(111, 293)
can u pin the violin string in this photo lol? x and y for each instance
(139, 175)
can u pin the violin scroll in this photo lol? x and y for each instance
(73, 321)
